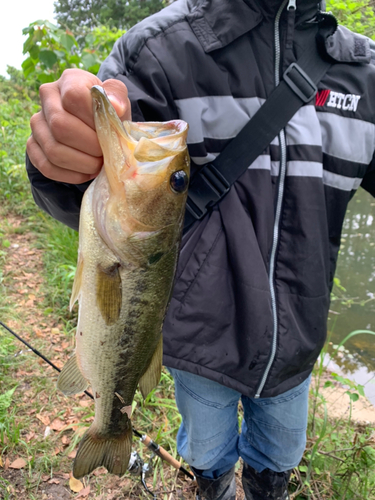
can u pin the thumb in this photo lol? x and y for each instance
(118, 95)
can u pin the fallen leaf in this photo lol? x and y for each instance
(29, 436)
(55, 331)
(85, 403)
(84, 493)
(53, 481)
(1, 462)
(100, 471)
(7, 462)
(75, 484)
(47, 432)
(65, 440)
(56, 451)
(57, 424)
(43, 418)
(45, 477)
(72, 454)
(19, 463)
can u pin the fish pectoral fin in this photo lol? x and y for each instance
(95, 451)
(71, 381)
(77, 282)
(151, 377)
(109, 292)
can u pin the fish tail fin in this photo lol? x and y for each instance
(96, 451)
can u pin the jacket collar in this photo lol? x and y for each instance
(216, 23)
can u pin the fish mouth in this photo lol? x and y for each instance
(144, 146)
(104, 113)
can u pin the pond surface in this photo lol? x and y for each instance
(353, 298)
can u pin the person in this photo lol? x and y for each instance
(248, 314)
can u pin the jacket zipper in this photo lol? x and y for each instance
(280, 195)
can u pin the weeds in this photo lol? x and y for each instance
(340, 455)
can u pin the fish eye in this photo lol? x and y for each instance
(179, 181)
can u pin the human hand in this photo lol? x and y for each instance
(64, 146)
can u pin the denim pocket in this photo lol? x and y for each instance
(287, 396)
(199, 388)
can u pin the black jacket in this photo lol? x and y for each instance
(250, 303)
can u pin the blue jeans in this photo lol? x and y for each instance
(273, 434)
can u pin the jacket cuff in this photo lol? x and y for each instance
(60, 200)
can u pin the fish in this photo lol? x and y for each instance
(130, 228)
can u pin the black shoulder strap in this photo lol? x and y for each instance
(297, 87)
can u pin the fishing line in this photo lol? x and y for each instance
(146, 440)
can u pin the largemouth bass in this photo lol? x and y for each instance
(129, 237)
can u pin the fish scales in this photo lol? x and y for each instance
(130, 228)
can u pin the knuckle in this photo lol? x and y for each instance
(57, 126)
(71, 98)
(45, 89)
(51, 151)
(44, 166)
(29, 144)
(34, 120)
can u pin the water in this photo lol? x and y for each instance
(354, 308)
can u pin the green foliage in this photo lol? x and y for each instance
(9, 430)
(17, 104)
(5, 402)
(340, 456)
(60, 258)
(51, 50)
(356, 15)
(121, 14)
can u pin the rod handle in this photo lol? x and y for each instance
(161, 452)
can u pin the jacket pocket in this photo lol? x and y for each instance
(195, 251)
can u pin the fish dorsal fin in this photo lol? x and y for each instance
(71, 381)
(77, 282)
(109, 292)
(151, 377)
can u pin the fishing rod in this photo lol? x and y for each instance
(136, 464)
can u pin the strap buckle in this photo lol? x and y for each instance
(207, 188)
(300, 82)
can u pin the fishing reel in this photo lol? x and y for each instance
(137, 467)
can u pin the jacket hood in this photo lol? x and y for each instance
(270, 7)
(209, 18)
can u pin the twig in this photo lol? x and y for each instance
(174, 485)
(330, 455)
(316, 489)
